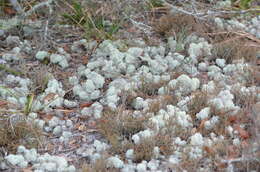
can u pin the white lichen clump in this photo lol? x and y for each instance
(115, 162)
(41, 55)
(44, 162)
(203, 114)
(184, 84)
(53, 94)
(14, 54)
(200, 49)
(224, 101)
(197, 140)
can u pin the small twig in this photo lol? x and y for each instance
(174, 9)
(46, 31)
(240, 33)
(229, 40)
(209, 13)
(248, 35)
(141, 26)
(217, 13)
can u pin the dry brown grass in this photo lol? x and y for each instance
(127, 98)
(164, 142)
(161, 102)
(40, 77)
(100, 165)
(144, 150)
(148, 89)
(198, 102)
(18, 133)
(244, 100)
(171, 24)
(224, 121)
(234, 49)
(226, 149)
(118, 127)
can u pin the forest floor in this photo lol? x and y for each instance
(129, 86)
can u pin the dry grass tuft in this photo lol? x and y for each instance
(198, 102)
(224, 120)
(244, 100)
(150, 89)
(171, 24)
(233, 50)
(144, 150)
(99, 166)
(18, 133)
(162, 102)
(40, 77)
(127, 98)
(164, 142)
(118, 127)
